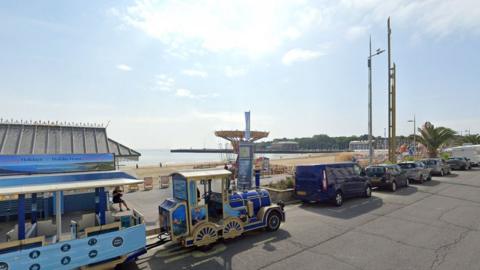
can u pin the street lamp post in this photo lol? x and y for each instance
(414, 135)
(370, 145)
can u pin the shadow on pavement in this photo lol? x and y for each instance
(431, 183)
(404, 191)
(350, 209)
(452, 175)
(219, 257)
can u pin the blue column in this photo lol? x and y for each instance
(34, 208)
(97, 200)
(102, 203)
(257, 178)
(21, 216)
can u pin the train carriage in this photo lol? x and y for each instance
(97, 241)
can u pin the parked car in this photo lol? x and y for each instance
(459, 163)
(438, 166)
(331, 182)
(416, 171)
(388, 176)
(471, 152)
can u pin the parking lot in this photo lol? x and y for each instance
(430, 226)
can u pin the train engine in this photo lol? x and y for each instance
(204, 209)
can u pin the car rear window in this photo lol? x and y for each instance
(407, 165)
(430, 162)
(373, 171)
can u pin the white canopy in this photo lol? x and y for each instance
(27, 189)
(199, 174)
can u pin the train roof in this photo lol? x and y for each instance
(27, 184)
(201, 174)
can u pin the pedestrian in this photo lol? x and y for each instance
(117, 198)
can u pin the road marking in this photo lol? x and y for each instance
(265, 241)
(202, 262)
(168, 253)
(179, 257)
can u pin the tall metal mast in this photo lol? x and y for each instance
(392, 142)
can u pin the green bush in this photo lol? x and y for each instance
(445, 155)
(282, 184)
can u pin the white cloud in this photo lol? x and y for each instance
(249, 26)
(235, 71)
(164, 83)
(195, 73)
(436, 18)
(300, 55)
(185, 93)
(356, 32)
(124, 67)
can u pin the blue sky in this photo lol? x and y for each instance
(169, 73)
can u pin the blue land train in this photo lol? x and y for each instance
(204, 208)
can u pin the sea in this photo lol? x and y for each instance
(153, 157)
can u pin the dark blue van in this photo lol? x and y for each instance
(331, 182)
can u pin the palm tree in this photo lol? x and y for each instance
(473, 139)
(434, 137)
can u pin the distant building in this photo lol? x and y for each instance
(284, 145)
(359, 145)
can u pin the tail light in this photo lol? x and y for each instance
(324, 181)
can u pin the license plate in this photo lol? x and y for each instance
(301, 193)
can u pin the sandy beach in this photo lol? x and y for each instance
(156, 171)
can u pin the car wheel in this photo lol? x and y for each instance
(393, 186)
(368, 191)
(338, 201)
(273, 221)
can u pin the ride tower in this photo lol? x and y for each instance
(243, 145)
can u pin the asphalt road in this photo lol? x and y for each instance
(431, 226)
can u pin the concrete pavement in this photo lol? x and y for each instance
(431, 226)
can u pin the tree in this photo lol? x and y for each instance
(473, 139)
(434, 137)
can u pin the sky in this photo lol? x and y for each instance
(167, 74)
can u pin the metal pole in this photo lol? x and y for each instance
(389, 95)
(58, 214)
(414, 136)
(370, 147)
(21, 216)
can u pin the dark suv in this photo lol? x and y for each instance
(331, 182)
(387, 176)
(459, 163)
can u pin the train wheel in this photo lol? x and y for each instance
(273, 221)
(233, 228)
(205, 234)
